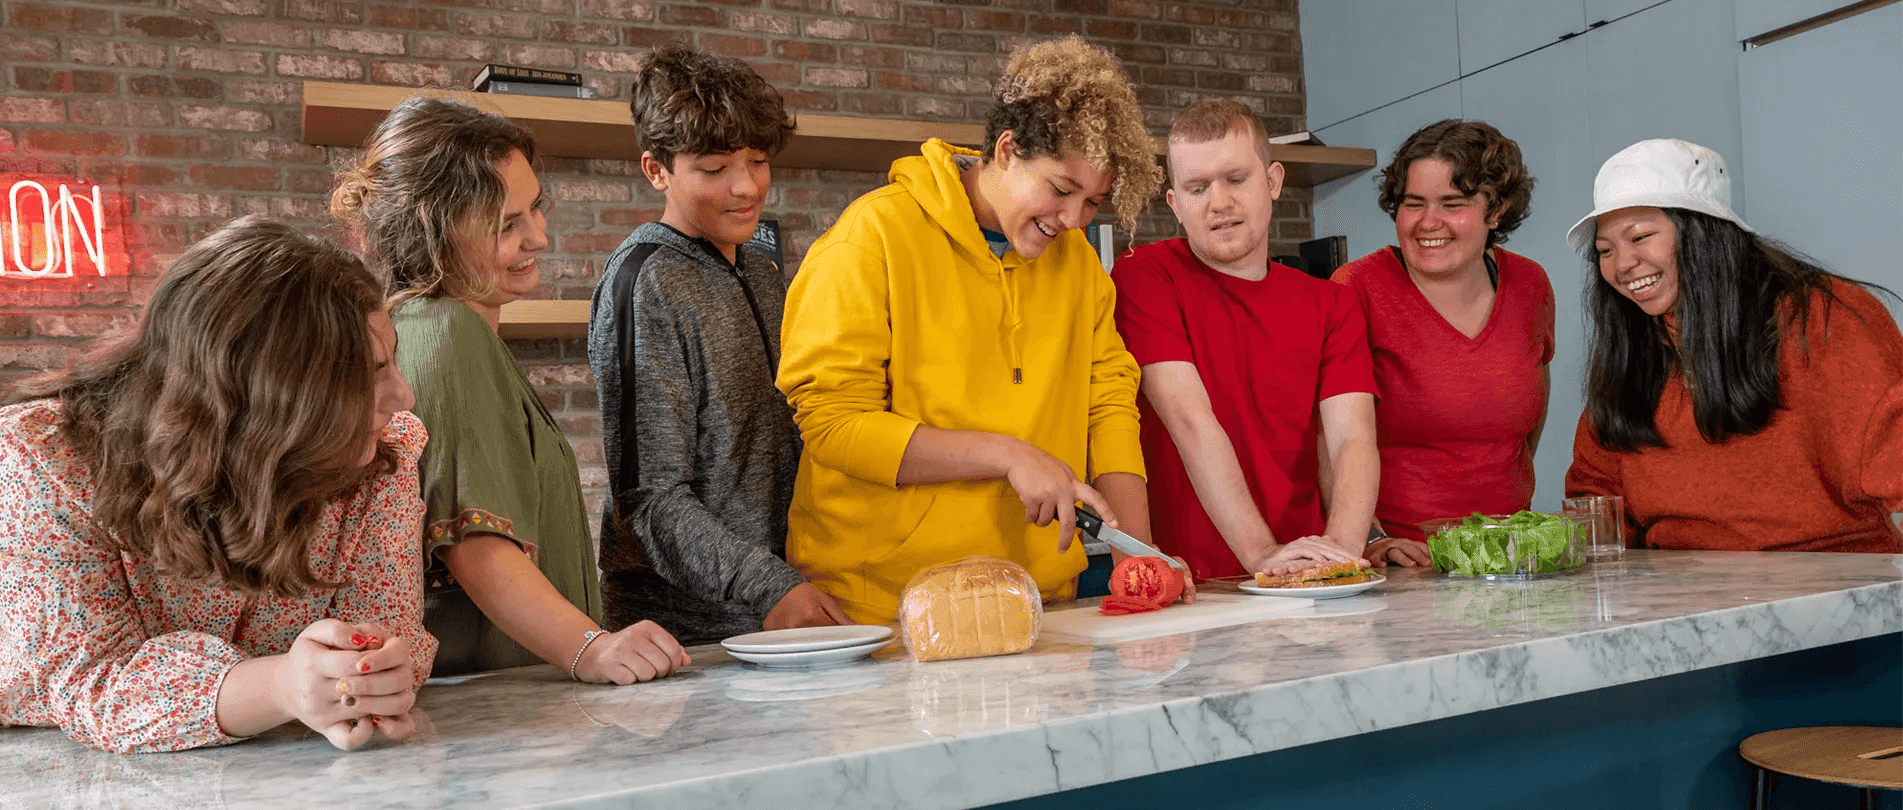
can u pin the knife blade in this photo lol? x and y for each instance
(1090, 523)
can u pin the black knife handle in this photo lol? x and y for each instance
(1088, 521)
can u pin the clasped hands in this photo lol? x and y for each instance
(347, 682)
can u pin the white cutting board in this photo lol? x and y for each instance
(1210, 610)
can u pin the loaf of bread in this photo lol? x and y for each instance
(973, 607)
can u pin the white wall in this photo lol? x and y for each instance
(1812, 125)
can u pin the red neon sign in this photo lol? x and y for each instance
(60, 228)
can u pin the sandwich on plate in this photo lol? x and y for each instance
(1320, 576)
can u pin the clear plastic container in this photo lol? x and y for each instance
(1508, 554)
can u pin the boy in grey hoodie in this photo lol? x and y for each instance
(683, 337)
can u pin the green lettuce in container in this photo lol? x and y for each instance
(1524, 543)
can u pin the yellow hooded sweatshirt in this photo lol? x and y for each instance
(901, 316)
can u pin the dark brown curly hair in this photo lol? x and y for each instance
(688, 102)
(218, 429)
(1067, 94)
(1484, 161)
(427, 190)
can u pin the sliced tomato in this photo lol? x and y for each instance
(1148, 578)
(1121, 605)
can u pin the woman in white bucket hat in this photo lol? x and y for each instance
(1737, 395)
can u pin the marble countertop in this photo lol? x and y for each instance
(891, 732)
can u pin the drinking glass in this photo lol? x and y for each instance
(1605, 515)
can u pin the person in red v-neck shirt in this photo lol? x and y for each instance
(1256, 376)
(1461, 331)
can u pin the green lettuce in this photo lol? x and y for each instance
(1526, 542)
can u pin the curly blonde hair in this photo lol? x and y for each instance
(1068, 94)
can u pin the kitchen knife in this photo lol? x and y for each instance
(1091, 524)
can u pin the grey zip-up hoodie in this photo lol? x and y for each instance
(702, 449)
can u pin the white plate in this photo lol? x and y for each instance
(1322, 592)
(806, 639)
(811, 658)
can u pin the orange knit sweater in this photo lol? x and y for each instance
(1824, 474)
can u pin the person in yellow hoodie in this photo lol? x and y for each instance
(950, 348)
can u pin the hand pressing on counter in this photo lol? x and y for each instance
(1398, 550)
(641, 651)
(805, 606)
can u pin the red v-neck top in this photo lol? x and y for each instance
(1456, 414)
(1268, 352)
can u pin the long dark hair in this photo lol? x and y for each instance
(218, 430)
(1737, 292)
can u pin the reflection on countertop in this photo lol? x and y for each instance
(888, 730)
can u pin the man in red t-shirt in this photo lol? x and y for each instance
(1244, 360)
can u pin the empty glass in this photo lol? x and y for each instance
(1605, 517)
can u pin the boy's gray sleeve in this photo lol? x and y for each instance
(657, 415)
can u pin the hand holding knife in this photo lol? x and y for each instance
(1092, 525)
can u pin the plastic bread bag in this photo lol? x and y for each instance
(969, 608)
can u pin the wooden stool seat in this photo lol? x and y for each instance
(1829, 754)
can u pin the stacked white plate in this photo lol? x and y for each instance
(809, 646)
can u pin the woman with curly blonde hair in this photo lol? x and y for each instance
(950, 353)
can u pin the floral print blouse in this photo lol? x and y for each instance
(98, 643)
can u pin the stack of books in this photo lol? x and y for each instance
(526, 81)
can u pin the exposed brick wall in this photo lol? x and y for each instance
(189, 108)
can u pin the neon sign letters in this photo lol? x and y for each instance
(53, 234)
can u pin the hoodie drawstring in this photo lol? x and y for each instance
(1016, 321)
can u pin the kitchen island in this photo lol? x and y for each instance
(1420, 673)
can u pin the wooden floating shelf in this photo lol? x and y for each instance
(344, 114)
(543, 318)
(1314, 165)
(338, 114)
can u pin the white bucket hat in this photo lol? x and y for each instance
(1661, 173)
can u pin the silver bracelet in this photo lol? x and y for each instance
(586, 639)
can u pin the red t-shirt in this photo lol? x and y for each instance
(1824, 474)
(1456, 413)
(1267, 351)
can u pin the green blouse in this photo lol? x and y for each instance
(497, 463)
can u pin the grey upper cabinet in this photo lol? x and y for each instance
(1609, 10)
(1540, 101)
(1493, 31)
(1670, 71)
(1362, 54)
(1823, 157)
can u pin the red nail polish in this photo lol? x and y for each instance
(364, 665)
(374, 642)
(358, 639)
